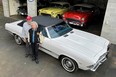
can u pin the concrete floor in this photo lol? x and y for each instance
(14, 64)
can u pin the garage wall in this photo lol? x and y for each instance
(6, 8)
(13, 5)
(32, 8)
(0, 2)
(109, 25)
(101, 3)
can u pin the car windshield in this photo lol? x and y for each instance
(21, 23)
(81, 8)
(66, 6)
(56, 5)
(59, 30)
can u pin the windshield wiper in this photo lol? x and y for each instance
(72, 32)
(65, 35)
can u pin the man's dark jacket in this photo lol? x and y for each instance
(36, 37)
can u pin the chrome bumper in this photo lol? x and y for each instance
(94, 68)
(102, 59)
(77, 24)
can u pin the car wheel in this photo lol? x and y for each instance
(69, 64)
(58, 16)
(18, 39)
(18, 13)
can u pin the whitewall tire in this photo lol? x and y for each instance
(18, 39)
(69, 64)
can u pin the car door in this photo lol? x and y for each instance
(48, 46)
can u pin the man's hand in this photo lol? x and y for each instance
(38, 43)
(29, 43)
(38, 33)
(24, 39)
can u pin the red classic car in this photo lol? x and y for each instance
(81, 14)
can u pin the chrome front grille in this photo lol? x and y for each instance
(102, 57)
(72, 20)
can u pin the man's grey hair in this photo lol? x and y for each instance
(33, 22)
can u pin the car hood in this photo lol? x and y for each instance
(51, 9)
(82, 43)
(77, 14)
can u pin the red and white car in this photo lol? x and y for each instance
(81, 14)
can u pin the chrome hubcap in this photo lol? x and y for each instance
(17, 39)
(68, 64)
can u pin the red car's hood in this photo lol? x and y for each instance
(77, 14)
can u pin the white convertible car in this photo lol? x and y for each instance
(74, 48)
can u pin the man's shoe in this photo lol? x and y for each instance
(36, 61)
(33, 59)
(31, 55)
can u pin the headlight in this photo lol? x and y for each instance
(108, 47)
(41, 10)
(22, 13)
(83, 19)
(53, 13)
(63, 15)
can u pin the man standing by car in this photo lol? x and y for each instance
(34, 40)
(26, 27)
